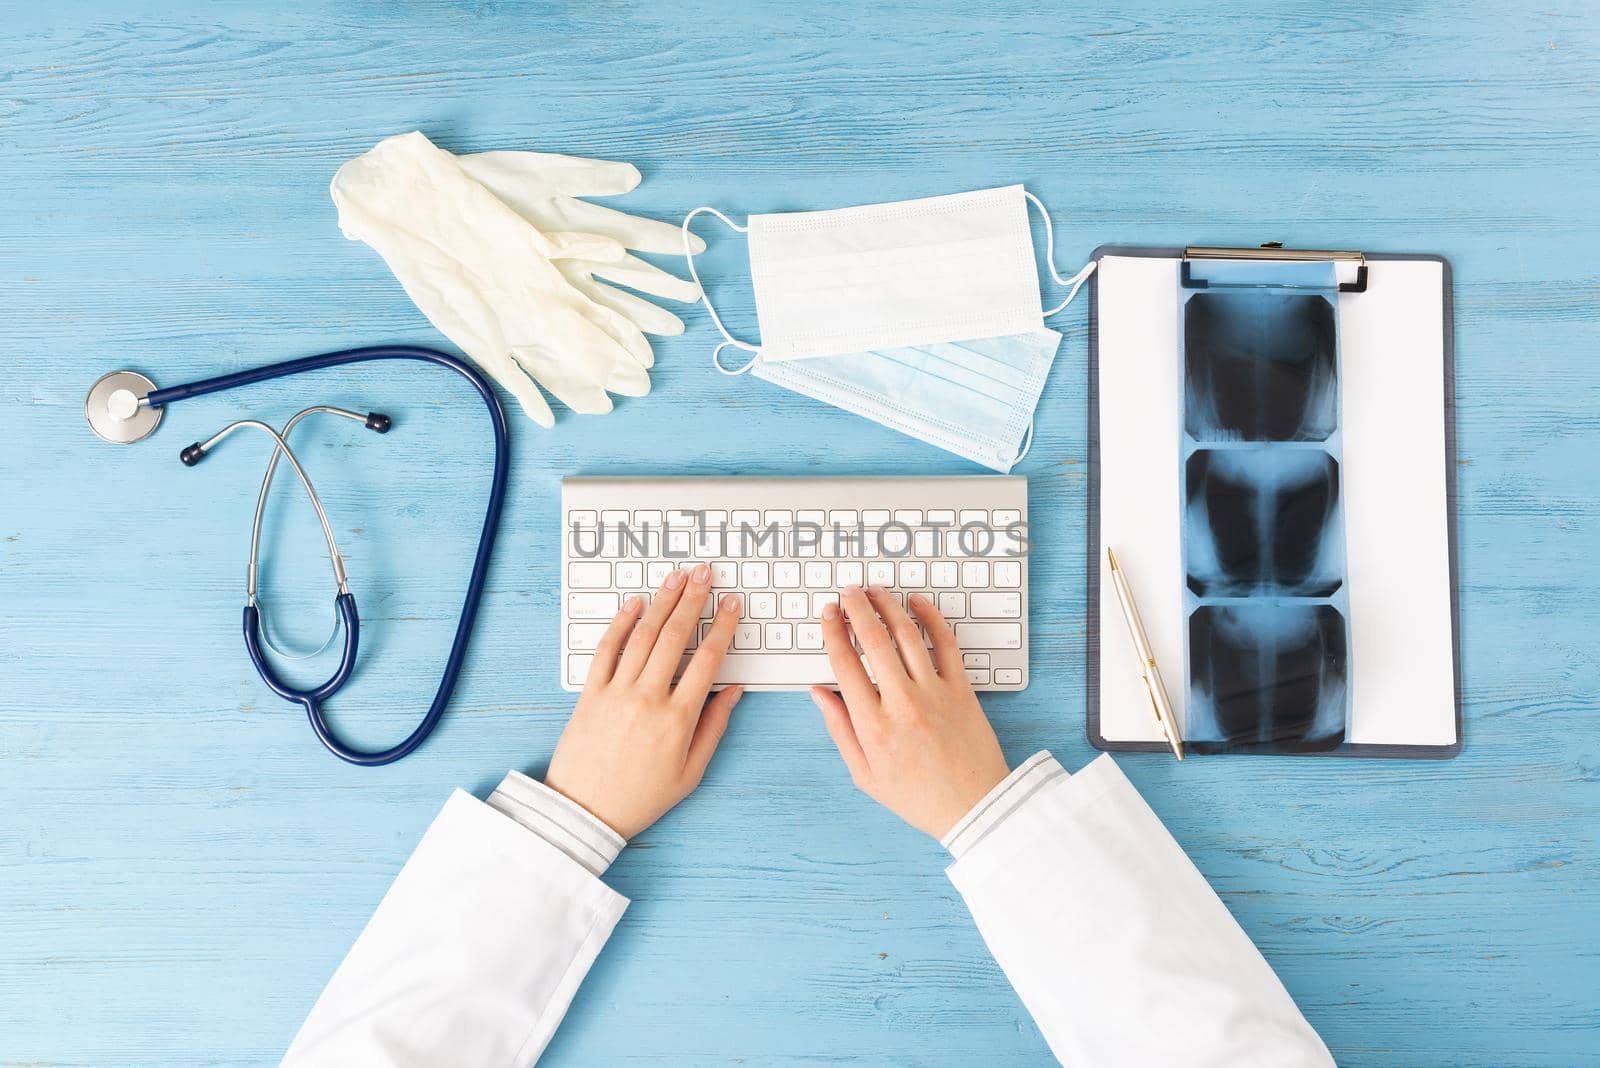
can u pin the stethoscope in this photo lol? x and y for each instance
(125, 406)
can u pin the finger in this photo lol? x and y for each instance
(637, 653)
(873, 636)
(946, 653)
(571, 245)
(641, 235)
(548, 369)
(907, 638)
(610, 644)
(627, 379)
(836, 717)
(635, 273)
(677, 630)
(620, 329)
(701, 674)
(648, 317)
(859, 693)
(709, 731)
(547, 174)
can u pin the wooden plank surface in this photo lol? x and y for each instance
(180, 865)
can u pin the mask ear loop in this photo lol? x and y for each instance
(1076, 281)
(705, 298)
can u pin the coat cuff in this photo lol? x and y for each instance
(1031, 776)
(559, 820)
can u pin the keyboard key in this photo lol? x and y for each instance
(880, 573)
(786, 575)
(911, 517)
(589, 575)
(780, 636)
(754, 575)
(818, 600)
(895, 541)
(811, 515)
(582, 517)
(611, 543)
(913, 574)
(1008, 676)
(952, 605)
(944, 575)
(630, 575)
(974, 660)
(796, 606)
(648, 519)
(779, 516)
(724, 575)
(978, 677)
(989, 635)
(925, 543)
(744, 517)
(996, 605)
(850, 572)
(940, 517)
(615, 518)
(1004, 517)
(657, 571)
(592, 605)
(679, 545)
(1008, 574)
(974, 515)
(792, 670)
(707, 540)
(844, 518)
(808, 635)
(746, 636)
(578, 668)
(875, 517)
(975, 574)
(819, 574)
(583, 637)
(762, 605)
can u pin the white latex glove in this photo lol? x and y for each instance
(541, 187)
(489, 280)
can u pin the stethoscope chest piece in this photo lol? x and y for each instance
(116, 408)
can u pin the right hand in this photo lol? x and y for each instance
(918, 742)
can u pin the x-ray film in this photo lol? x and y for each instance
(1265, 592)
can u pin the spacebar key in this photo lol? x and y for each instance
(783, 669)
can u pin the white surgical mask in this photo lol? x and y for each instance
(922, 315)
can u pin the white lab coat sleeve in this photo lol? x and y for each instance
(1115, 942)
(475, 952)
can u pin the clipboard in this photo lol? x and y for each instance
(1398, 347)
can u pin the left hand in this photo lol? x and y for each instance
(636, 744)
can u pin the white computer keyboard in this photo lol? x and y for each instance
(785, 546)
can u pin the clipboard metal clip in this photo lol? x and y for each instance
(1272, 250)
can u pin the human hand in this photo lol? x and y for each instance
(636, 744)
(918, 742)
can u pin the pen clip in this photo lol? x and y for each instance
(1155, 706)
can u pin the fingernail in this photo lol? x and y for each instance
(814, 698)
(701, 573)
(729, 603)
(830, 611)
(919, 601)
(631, 603)
(851, 589)
(674, 580)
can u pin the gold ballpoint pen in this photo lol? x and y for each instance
(1147, 659)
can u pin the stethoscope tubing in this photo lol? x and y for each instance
(312, 700)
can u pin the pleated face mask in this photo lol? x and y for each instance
(922, 315)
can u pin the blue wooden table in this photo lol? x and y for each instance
(181, 866)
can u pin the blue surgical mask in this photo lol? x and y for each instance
(921, 315)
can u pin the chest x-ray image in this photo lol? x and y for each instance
(1265, 594)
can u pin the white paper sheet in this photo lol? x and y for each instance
(1396, 513)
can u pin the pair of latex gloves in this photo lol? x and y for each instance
(498, 252)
